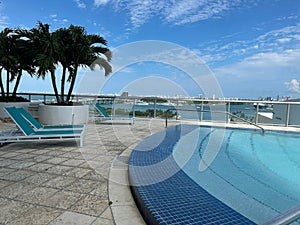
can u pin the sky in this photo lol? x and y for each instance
(251, 47)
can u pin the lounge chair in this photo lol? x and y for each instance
(36, 124)
(119, 119)
(29, 134)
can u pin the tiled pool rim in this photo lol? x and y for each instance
(177, 199)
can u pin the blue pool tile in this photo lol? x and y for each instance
(177, 199)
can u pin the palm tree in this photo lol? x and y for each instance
(45, 50)
(3, 44)
(84, 52)
(14, 58)
(63, 40)
(8, 59)
(71, 48)
(24, 57)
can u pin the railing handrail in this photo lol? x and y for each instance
(251, 123)
(222, 101)
(287, 217)
(224, 112)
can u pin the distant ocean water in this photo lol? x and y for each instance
(192, 111)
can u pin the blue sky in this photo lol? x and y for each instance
(252, 47)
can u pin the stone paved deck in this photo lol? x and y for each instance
(60, 183)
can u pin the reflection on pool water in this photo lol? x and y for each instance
(249, 178)
(256, 175)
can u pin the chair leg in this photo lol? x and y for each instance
(81, 141)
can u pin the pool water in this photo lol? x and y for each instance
(164, 193)
(256, 175)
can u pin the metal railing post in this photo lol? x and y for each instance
(114, 109)
(228, 111)
(287, 118)
(256, 113)
(133, 108)
(201, 112)
(154, 113)
(177, 105)
(167, 118)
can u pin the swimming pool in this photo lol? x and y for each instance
(252, 178)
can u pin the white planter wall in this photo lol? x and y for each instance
(63, 115)
(3, 113)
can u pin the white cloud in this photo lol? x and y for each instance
(3, 21)
(293, 85)
(3, 18)
(275, 41)
(56, 19)
(194, 10)
(284, 40)
(262, 74)
(141, 11)
(270, 65)
(260, 66)
(174, 12)
(80, 4)
(98, 3)
(285, 32)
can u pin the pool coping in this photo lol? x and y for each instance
(123, 207)
(243, 126)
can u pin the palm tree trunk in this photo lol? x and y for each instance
(17, 83)
(72, 83)
(7, 84)
(52, 72)
(1, 84)
(62, 85)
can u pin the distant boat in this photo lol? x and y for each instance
(260, 105)
(139, 102)
(167, 104)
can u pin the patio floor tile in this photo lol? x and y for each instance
(37, 215)
(68, 218)
(90, 205)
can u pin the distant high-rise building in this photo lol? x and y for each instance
(125, 94)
